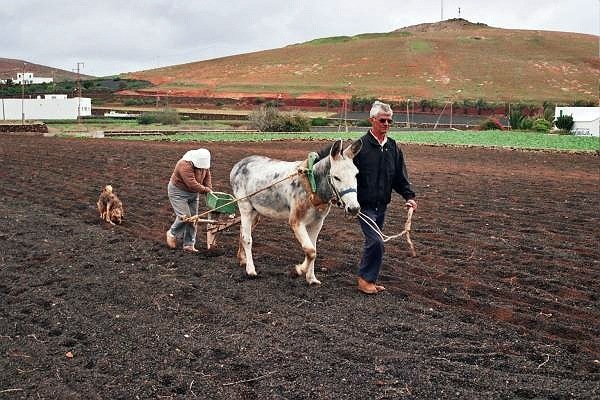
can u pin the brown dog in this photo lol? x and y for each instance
(110, 206)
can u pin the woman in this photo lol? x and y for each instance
(190, 177)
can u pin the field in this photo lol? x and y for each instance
(501, 301)
(496, 138)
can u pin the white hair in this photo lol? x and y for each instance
(379, 107)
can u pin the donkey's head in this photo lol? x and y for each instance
(342, 175)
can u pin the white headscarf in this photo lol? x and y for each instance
(199, 157)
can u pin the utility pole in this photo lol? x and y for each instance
(79, 91)
(346, 106)
(23, 96)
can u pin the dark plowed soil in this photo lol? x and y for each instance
(501, 302)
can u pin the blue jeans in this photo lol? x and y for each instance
(184, 203)
(372, 257)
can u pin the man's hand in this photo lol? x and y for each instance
(411, 204)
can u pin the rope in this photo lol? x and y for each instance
(373, 225)
(364, 217)
(197, 217)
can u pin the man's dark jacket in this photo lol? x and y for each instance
(380, 169)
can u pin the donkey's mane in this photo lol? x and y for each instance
(321, 173)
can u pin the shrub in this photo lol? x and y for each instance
(490, 124)
(466, 105)
(166, 117)
(146, 119)
(294, 122)
(585, 103)
(541, 125)
(264, 119)
(269, 119)
(433, 104)
(564, 122)
(515, 119)
(273, 103)
(319, 121)
(131, 102)
(481, 105)
(527, 123)
(549, 114)
(361, 103)
(363, 122)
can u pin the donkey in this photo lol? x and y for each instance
(261, 185)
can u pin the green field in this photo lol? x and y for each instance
(501, 139)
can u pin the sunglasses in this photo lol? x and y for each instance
(384, 120)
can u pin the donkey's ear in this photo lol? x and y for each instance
(336, 150)
(353, 149)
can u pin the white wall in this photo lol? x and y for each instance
(586, 128)
(586, 120)
(47, 108)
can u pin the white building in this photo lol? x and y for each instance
(586, 120)
(51, 106)
(27, 78)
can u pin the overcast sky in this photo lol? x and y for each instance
(116, 36)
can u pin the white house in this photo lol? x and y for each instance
(27, 78)
(586, 120)
(51, 106)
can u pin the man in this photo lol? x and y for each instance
(381, 168)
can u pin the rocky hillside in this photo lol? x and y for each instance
(449, 60)
(10, 67)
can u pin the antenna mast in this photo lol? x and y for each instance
(442, 9)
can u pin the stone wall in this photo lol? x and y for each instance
(36, 128)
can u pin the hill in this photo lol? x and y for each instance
(453, 59)
(10, 67)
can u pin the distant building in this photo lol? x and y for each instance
(27, 78)
(51, 106)
(586, 120)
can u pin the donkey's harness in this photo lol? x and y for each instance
(310, 176)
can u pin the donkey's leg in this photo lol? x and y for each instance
(248, 218)
(310, 253)
(241, 254)
(313, 230)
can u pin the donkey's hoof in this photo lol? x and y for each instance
(292, 273)
(300, 269)
(252, 273)
(313, 281)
